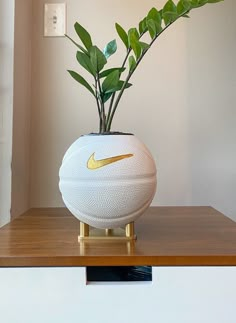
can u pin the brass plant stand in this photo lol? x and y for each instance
(88, 233)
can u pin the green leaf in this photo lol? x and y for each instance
(154, 15)
(214, 1)
(169, 12)
(186, 4)
(169, 17)
(170, 7)
(194, 3)
(106, 96)
(81, 80)
(143, 45)
(84, 61)
(97, 58)
(203, 2)
(143, 26)
(110, 48)
(122, 34)
(110, 70)
(134, 33)
(140, 26)
(121, 83)
(83, 35)
(134, 43)
(110, 81)
(80, 47)
(180, 8)
(183, 6)
(127, 84)
(154, 22)
(151, 28)
(119, 86)
(132, 63)
(198, 3)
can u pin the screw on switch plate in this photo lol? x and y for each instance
(54, 19)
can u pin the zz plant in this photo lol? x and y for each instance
(109, 84)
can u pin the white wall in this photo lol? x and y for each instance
(212, 116)
(6, 105)
(22, 106)
(182, 104)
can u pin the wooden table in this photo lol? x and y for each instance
(167, 236)
(192, 251)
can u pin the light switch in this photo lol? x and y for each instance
(54, 19)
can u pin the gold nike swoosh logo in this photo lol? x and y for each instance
(95, 164)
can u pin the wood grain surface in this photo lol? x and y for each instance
(167, 236)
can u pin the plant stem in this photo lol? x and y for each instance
(98, 106)
(109, 122)
(114, 94)
(108, 128)
(103, 115)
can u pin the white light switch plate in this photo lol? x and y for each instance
(54, 19)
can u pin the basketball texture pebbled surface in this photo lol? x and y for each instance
(107, 181)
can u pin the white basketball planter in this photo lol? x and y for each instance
(107, 181)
